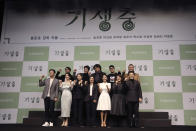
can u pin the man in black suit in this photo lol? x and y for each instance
(62, 77)
(90, 99)
(133, 97)
(98, 74)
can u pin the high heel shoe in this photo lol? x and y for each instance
(63, 124)
(66, 124)
(102, 124)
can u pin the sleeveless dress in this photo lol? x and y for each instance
(104, 101)
(66, 99)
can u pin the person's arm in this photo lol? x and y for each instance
(108, 87)
(108, 78)
(139, 92)
(89, 73)
(138, 78)
(41, 81)
(85, 88)
(123, 73)
(72, 78)
(74, 74)
(113, 88)
(96, 94)
(57, 74)
(82, 86)
(60, 85)
(119, 73)
(126, 86)
(56, 91)
(99, 88)
(72, 84)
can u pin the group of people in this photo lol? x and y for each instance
(117, 94)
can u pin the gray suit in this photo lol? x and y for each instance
(53, 89)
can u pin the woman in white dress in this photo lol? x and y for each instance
(66, 98)
(104, 102)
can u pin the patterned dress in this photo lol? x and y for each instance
(66, 98)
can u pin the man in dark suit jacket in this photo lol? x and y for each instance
(131, 69)
(90, 99)
(133, 97)
(98, 74)
(62, 77)
(50, 96)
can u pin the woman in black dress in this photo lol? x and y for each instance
(118, 101)
(78, 94)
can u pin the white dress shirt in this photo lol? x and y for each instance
(51, 80)
(91, 90)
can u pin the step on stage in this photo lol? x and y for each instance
(22, 127)
(149, 121)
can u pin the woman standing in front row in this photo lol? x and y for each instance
(78, 99)
(90, 99)
(66, 98)
(118, 100)
(104, 102)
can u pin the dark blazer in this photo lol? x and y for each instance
(94, 93)
(53, 89)
(78, 91)
(85, 76)
(133, 91)
(100, 75)
(118, 88)
(62, 77)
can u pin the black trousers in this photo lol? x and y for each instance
(91, 112)
(77, 107)
(116, 121)
(133, 113)
(49, 110)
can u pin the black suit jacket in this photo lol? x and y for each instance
(78, 91)
(85, 76)
(94, 92)
(100, 75)
(133, 91)
(62, 77)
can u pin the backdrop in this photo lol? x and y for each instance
(161, 45)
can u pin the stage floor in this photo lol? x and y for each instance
(21, 127)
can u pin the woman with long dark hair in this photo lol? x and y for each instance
(66, 98)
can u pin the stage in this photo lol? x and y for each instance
(152, 41)
(21, 127)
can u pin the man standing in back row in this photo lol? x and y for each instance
(131, 69)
